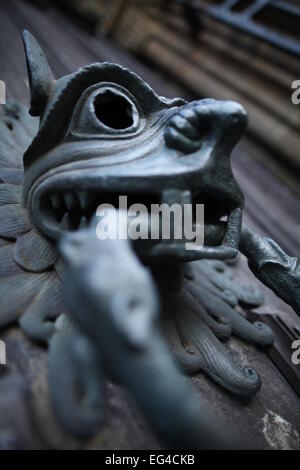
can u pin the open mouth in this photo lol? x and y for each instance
(73, 210)
(62, 210)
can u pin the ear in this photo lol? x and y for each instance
(41, 79)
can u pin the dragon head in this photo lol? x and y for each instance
(104, 133)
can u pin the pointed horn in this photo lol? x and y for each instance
(41, 79)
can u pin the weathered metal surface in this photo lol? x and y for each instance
(277, 270)
(55, 202)
(22, 250)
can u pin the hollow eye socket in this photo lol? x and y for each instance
(106, 110)
(113, 110)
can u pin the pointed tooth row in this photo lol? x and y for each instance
(72, 208)
(72, 200)
(68, 224)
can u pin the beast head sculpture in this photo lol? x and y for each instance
(102, 133)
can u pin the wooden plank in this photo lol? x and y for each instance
(76, 48)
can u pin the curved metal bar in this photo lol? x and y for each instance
(272, 266)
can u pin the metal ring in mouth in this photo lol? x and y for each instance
(227, 249)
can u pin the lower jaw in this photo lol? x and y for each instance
(174, 251)
(221, 241)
